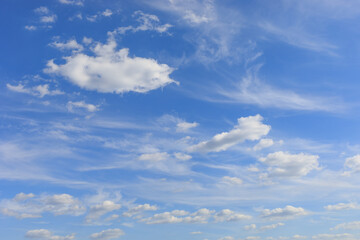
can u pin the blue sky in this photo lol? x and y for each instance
(169, 119)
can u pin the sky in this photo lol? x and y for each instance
(179, 119)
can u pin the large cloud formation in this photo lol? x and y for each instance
(111, 71)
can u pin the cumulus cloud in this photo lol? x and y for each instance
(29, 206)
(99, 210)
(283, 213)
(39, 91)
(23, 196)
(108, 234)
(353, 164)
(139, 209)
(283, 164)
(342, 206)
(81, 104)
(248, 128)
(180, 216)
(112, 71)
(71, 44)
(147, 22)
(44, 234)
(227, 215)
(263, 143)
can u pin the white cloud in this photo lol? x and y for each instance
(29, 206)
(182, 156)
(39, 91)
(147, 22)
(271, 226)
(180, 216)
(196, 233)
(297, 37)
(340, 236)
(23, 196)
(251, 90)
(81, 104)
(139, 209)
(226, 238)
(263, 143)
(342, 206)
(30, 27)
(69, 45)
(107, 13)
(99, 210)
(154, 157)
(48, 19)
(231, 180)
(42, 10)
(113, 71)
(283, 164)
(353, 164)
(227, 215)
(185, 126)
(250, 227)
(248, 128)
(44, 234)
(168, 122)
(348, 226)
(108, 234)
(72, 2)
(283, 213)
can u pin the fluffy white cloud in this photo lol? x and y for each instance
(227, 215)
(263, 143)
(23, 196)
(342, 206)
(28, 206)
(44, 234)
(72, 2)
(139, 209)
(353, 164)
(71, 44)
(107, 13)
(39, 91)
(113, 71)
(348, 226)
(283, 213)
(99, 210)
(81, 104)
(248, 128)
(108, 234)
(283, 164)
